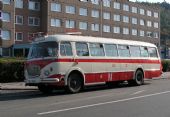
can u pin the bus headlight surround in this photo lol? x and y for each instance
(46, 72)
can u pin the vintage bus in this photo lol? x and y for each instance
(76, 61)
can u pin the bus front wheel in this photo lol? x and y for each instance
(74, 84)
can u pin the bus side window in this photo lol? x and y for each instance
(135, 51)
(111, 50)
(65, 49)
(153, 52)
(124, 51)
(82, 49)
(144, 52)
(96, 49)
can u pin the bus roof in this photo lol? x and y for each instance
(75, 38)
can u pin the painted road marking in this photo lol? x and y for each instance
(138, 92)
(100, 104)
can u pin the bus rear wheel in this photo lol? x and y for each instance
(139, 79)
(75, 83)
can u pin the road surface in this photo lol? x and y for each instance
(149, 100)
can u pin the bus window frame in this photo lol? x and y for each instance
(99, 45)
(71, 48)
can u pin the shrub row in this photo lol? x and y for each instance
(166, 65)
(11, 70)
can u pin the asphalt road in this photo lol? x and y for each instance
(149, 100)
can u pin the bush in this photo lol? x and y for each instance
(11, 70)
(166, 65)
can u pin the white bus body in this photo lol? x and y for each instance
(76, 61)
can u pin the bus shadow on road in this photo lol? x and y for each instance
(7, 95)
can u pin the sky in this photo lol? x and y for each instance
(152, 0)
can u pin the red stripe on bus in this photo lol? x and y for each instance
(117, 76)
(110, 60)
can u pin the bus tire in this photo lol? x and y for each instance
(139, 78)
(74, 83)
(45, 89)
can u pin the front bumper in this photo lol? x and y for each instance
(37, 81)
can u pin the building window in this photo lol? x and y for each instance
(70, 9)
(125, 7)
(56, 7)
(155, 14)
(134, 32)
(33, 21)
(95, 13)
(18, 36)
(106, 15)
(95, 27)
(70, 24)
(34, 5)
(155, 35)
(142, 22)
(19, 19)
(149, 23)
(142, 11)
(106, 3)
(6, 17)
(19, 4)
(126, 31)
(5, 34)
(116, 17)
(116, 30)
(149, 34)
(6, 1)
(134, 10)
(125, 19)
(106, 28)
(95, 2)
(83, 12)
(116, 5)
(156, 25)
(134, 21)
(56, 22)
(142, 33)
(83, 25)
(149, 13)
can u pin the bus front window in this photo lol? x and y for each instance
(44, 49)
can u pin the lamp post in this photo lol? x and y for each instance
(101, 18)
(13, 29)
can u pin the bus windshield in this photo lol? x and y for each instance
(44, 49)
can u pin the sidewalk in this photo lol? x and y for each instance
(21, 85)
(16, 86)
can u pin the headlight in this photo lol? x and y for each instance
(46, 73)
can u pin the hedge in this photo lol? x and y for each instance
(11, 70)
(166, 65)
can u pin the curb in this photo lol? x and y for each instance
(5, 88)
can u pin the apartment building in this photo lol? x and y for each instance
(122, 19)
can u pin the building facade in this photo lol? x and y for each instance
(122, 19)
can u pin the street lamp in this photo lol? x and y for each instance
(101, 18)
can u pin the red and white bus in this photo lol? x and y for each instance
(76, 61)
